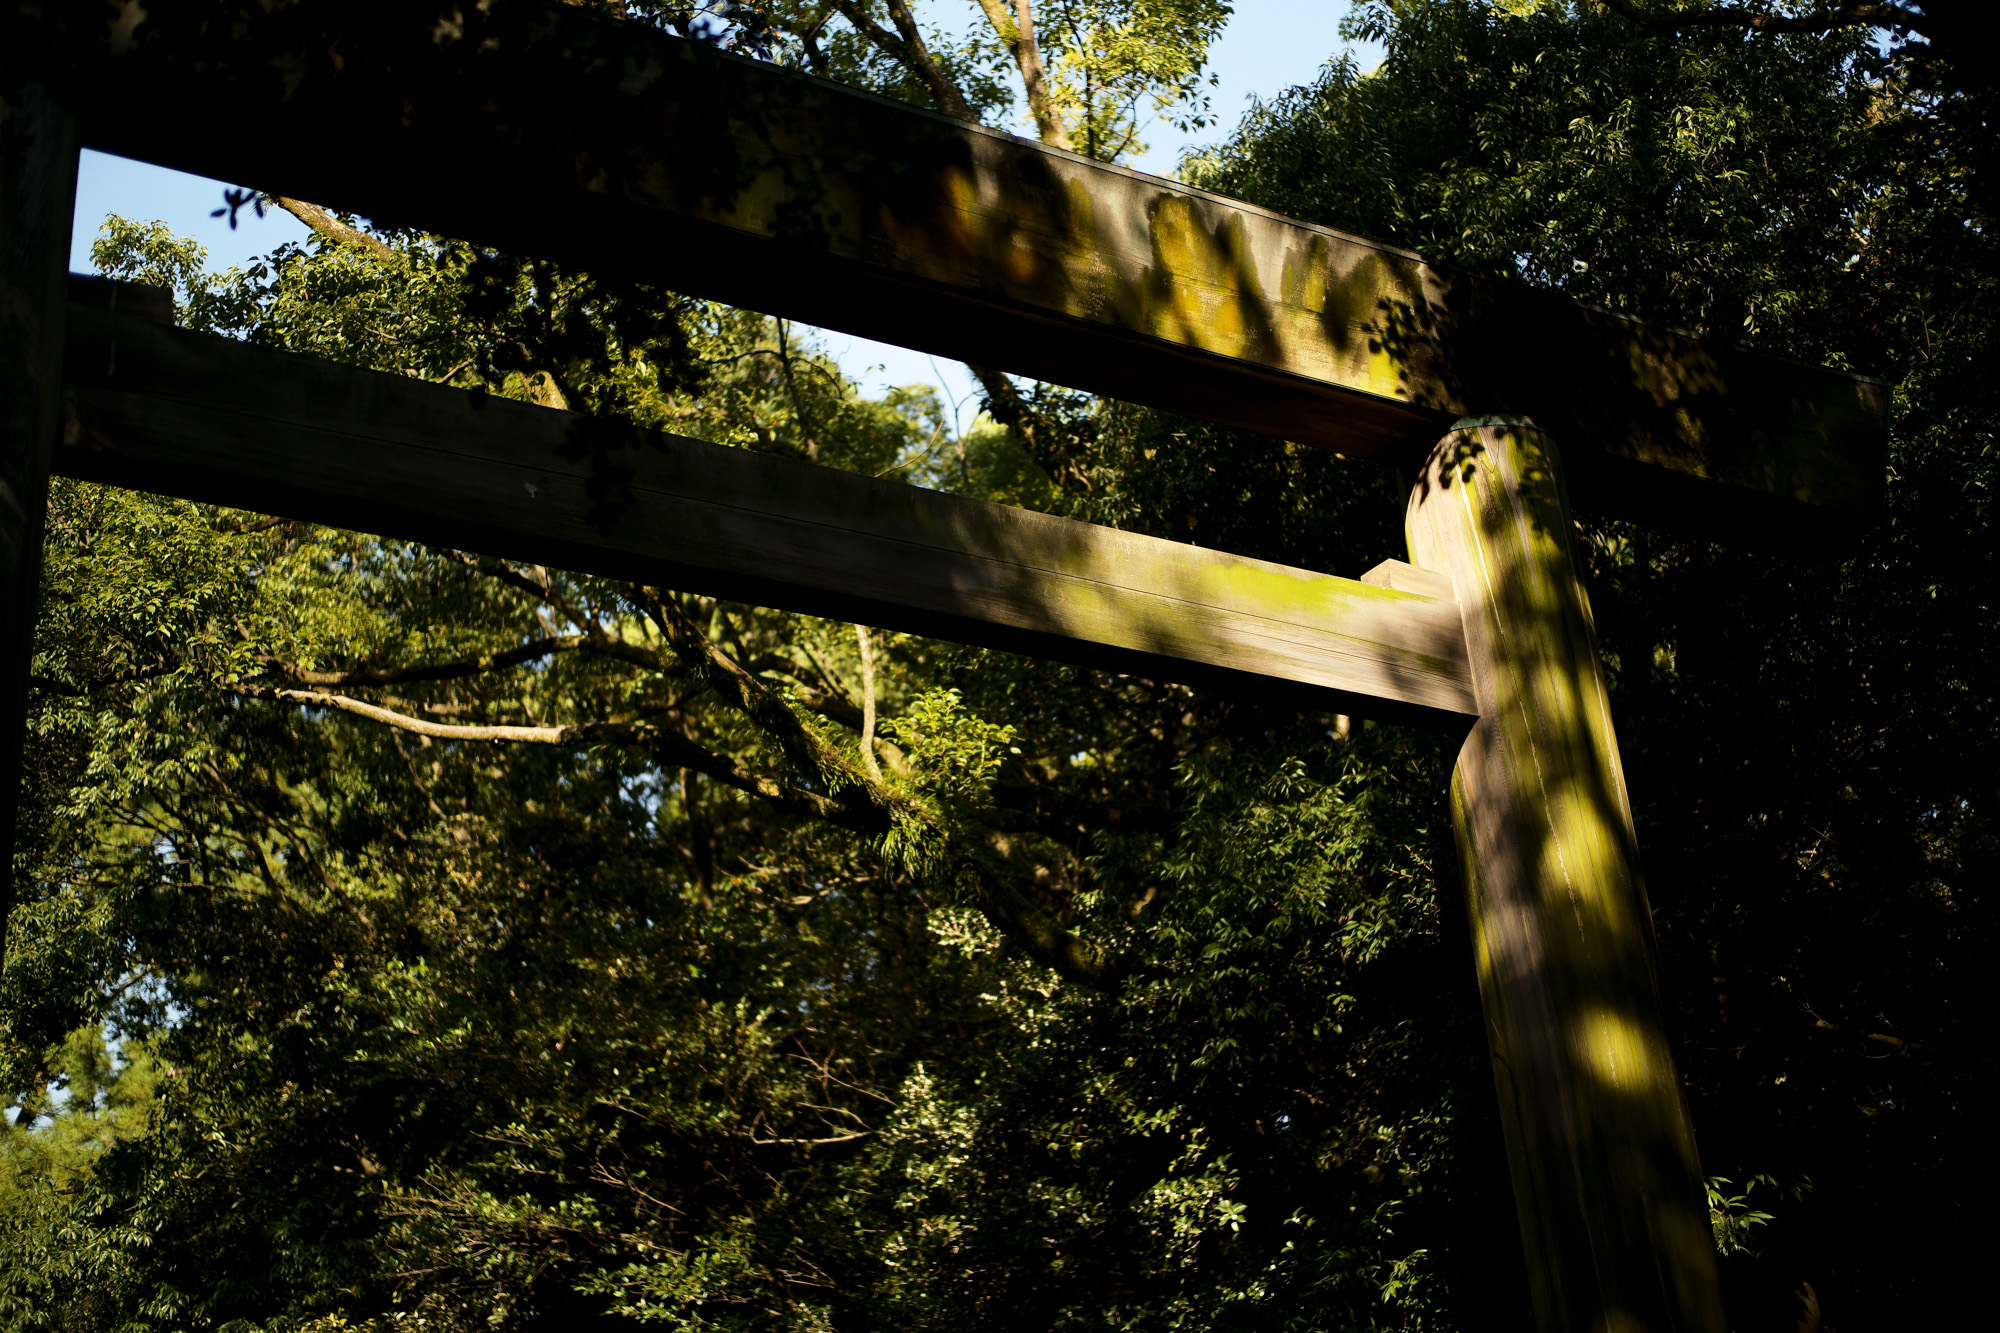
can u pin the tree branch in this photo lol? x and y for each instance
(1047, 940)
(868, 704)
(809, 40)
(859, 801)
(504, 573)
(792, 386)
(471, 666)
(668, 746)
(545, 591)
(812, 757)
(601, 644)
(261, 525)
(909, 48)
(331, 227)
(827, 704)
(951, 99)
(1007, 405)
(1017, 32)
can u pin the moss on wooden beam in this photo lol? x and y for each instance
(540, 129)
(213, 420)
(1608, 1187)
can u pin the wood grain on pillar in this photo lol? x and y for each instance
(37, 190)
(1614, 1221)
(217, 421)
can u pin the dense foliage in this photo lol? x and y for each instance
(1808, 728)
(799, 977)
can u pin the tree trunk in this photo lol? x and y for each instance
(1613, 1218)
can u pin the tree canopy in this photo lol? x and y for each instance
(797, 975)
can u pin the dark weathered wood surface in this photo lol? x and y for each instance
(37, 183)
(212, 420)
(539, 128)
(1614, 1223)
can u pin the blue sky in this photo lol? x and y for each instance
(1269, 45)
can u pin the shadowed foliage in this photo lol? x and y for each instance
(1152, 1009)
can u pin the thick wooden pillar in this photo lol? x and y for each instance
(37, 193)
(1613, 1218)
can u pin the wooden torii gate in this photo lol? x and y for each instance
(529, 126)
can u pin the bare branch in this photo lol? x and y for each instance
(868, 704)
(1017, 32)
(672, 748)
(416, 778)
(951, 100)
(814, 1143)
(602, 645)
(869, 28)
(668, 746)
(448, 731)
(909, 48)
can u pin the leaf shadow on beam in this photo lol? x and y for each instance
(546, 131)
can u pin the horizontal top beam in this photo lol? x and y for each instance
(160, 409)
(540, 129)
